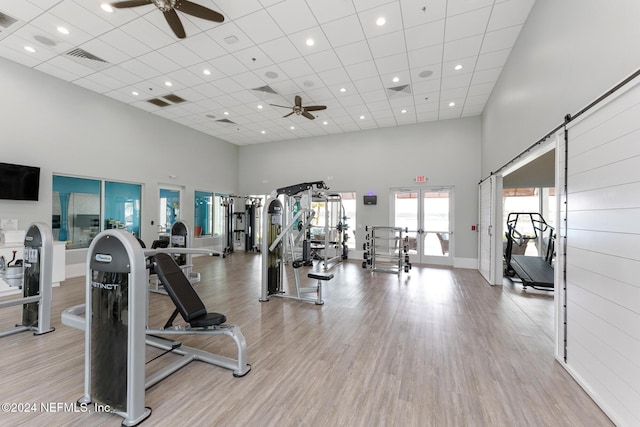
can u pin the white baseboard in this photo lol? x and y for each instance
(469, 263)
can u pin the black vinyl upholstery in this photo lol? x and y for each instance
(186, 299)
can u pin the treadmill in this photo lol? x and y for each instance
(533, 271)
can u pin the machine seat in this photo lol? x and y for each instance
(185, 298)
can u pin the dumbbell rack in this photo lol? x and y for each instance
(386, 249)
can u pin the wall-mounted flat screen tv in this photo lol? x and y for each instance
(18, 182)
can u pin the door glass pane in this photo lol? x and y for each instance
(76, 210)
(406, 216)
(435, 209)
(203, 213)
(122, 206)
(169, 209)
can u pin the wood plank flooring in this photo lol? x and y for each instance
(435, 347)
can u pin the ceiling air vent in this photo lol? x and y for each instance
(7, 25)
(265, 89)
(174, 98)
(226, 121)
(399, 91)
(85, 58)
(158, 102)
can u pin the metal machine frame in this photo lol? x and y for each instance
(106, 259)
(36, 294)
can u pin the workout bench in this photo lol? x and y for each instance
(320, 277)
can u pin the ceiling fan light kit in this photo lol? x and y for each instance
(301, 110)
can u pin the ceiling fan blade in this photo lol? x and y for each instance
(287, 115)
(198, 11)
(130, 3)
(281, 106)
(308, 115)
(298, 101)
(174, 22)
(315, 107)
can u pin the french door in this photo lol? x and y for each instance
(427, 214)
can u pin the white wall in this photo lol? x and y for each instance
(66, 129)
(447, 152)
(568, 53)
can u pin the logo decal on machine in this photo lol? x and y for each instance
(107, 286)
(103, 258)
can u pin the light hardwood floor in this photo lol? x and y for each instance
(435, 347)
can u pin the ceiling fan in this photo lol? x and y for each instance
(169, 7)
(301, 110)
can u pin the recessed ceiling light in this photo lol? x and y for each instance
(458, 67)
(134, 93)
(226, 113)
(259, 107)
(44, 40)
(106, 7)
(63, 30)
(381, 21)
(310, 42)
(271, 74)
(426, 73)
(452, 104)
(206, 72)
(292, 127)
(343, 90)
(168, 83)
(362, 117)
(30, 49)
(396, 79)
(325, 123)
(231, 40)
(403, 111)
(263, 132)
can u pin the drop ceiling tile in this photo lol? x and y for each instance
(343, 31)
(260, 27)
(248, 79)
(147, 33)
(186, 77)
(472, 110)
(389, 11)
(248, 97)
(299, 40)
(253, 57)
(481, 89)
(22, 10)
(486, 76)
(159, 21)
(362, 70)
(369, 84)
(396, 79)
(379, 106)
(320, 94)
(352, 100)
(450, 114)
(139, 68)
(97, 85)
(458, 93)
(389, 44)
(468, 65)
(374, 96)
(454, 82)
(477, 100)
(330, 10)
(292, 16)
(287, 88)
(122, 95)
(178, 54)
(233, 9)
(159, 62)
(125, 43)
(323, 61)
(421, 75)
(462, 48)
(214, 73)
(425, 35)
(420, 89)
(49, 23)
(272, 74)
(500, 39)
(57, 71)
(368, 4)
(393, 63)
(425, 56)
(17, 44)
(280, 50)
(121, 75)
(80, 17)
(354, 53)
(509, 13)
(467, 24)
(229, 65)
(309, 82)
(415, 13)
(230, 37)
(227, 85)
(456, 7)
(297, 67)
(203, 46)
(493, 59)
(41, 40)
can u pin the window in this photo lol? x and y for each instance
(76, 210)
(218, 215)
(203, 211)
(349, 204)
(122, 206)
(169, 209)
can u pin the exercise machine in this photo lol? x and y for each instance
(227, 207)
(114, 320)
(534, 271)
(283, 229)
(252, 207)
(329, 243)
(37, 267)
(386, 249)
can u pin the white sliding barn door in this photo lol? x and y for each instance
(603, 254)
(490, 230)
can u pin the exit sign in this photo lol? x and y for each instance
(421, 178)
